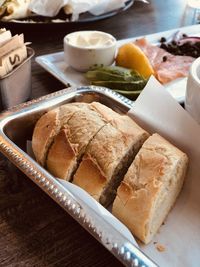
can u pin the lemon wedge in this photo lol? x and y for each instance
(131, 56)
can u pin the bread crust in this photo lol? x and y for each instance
(45, 129)
(152, 182)
(48, 126)
(78, 132)
(61, 156)
(123, 123)
(94, 179)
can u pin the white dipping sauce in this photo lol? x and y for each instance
(90, 39)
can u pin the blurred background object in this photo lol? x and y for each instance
(59, 11)
(195, 5)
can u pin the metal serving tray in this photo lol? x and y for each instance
(16, 127)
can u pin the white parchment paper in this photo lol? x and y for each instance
(157, 111)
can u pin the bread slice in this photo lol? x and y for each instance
(71, 142)
(107, 158)
(150, 187)
(48, 126)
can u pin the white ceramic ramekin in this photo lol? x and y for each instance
(82, 58)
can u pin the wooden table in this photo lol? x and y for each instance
(34, 231)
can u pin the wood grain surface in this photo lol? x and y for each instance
(35, 231)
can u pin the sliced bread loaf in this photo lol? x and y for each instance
(150, 187)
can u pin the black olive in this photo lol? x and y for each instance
(164, 46)
(164, 58)
(163, 40)
(189, 48)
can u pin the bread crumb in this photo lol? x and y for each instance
(160, 248)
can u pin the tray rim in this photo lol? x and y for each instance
(121, 247)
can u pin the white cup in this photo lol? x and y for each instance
(192, 99)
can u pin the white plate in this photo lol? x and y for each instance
(54, 63)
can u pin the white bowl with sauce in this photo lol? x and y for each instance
(86, 49)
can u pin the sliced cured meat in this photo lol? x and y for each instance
(167, 67)
(173, 68)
